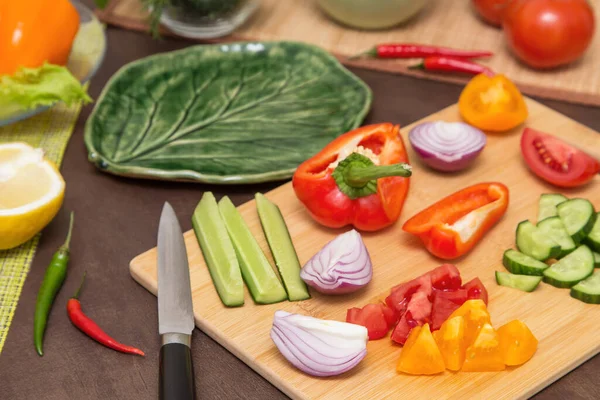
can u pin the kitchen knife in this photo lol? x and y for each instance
(175, 313)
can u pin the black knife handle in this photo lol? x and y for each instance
(176, 374)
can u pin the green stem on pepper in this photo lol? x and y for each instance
(356, 175)
(76, 295)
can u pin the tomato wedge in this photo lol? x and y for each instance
(555, 161)
(444, 304)
(476, 290)
(377, 318)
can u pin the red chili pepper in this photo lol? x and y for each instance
(342, 185)
(452, 226)
(90, 328)
(447, 64)
(407, 50)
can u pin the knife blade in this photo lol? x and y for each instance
(175, 311)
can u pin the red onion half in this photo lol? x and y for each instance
(342, 266)
(447, 146)
(319, 347)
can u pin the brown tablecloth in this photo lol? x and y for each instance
(117, 218)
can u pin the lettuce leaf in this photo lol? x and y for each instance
(29, 88)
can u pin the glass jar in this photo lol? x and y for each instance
(205, 19)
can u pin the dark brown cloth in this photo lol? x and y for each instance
(117, 219)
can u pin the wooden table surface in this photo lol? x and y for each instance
(117, 219)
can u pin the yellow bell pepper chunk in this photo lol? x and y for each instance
(492, 103)
(485, 353)
(420, 355)
(517, 343)
(451, 342)
(475, 314)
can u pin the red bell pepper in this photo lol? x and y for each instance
(452, 226)
(359, 179)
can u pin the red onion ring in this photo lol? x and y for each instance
(447, 146)
(341, 266)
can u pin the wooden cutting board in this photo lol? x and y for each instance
(566, 328)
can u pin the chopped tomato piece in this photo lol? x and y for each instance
(485, 353)
(476, 290)
(401, 294)
(517, 343)
(446, 277)
(555, 161)
(404, 327)
(390, 315)
(373, 317)
(420, 355)
(451, 342)
(475, 314)
(417, 313)
(444, 304)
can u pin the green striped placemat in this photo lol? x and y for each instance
(50, 131)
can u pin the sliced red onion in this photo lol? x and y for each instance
(316, 346)
(342, 266)
(447, 146)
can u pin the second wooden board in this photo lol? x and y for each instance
(566, 328)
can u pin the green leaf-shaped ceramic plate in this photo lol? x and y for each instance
(230, 113)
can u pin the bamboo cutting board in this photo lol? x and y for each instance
(566, 328)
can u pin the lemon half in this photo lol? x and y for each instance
(31, 193)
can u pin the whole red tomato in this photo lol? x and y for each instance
(491, 10)
(548, 33)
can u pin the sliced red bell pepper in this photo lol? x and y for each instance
(359, 179)
(452, 226)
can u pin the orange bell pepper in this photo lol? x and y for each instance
(420, 354)
(484, 354)
(517, 343)
(475, 314)
(452, 226)
(36, 31)
(492, 103)
(361, 178)
(450, 339)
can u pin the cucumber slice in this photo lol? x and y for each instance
(258, 274)
(547, 205)
(588, 290)
(522, 264)
(282, 248)
(578, 216)
(570, 270)
(525, 283)
(596, 260)
(218, 251)
(554, 228)
(593, 239)
(534, 243)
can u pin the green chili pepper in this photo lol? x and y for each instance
(53, 280)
